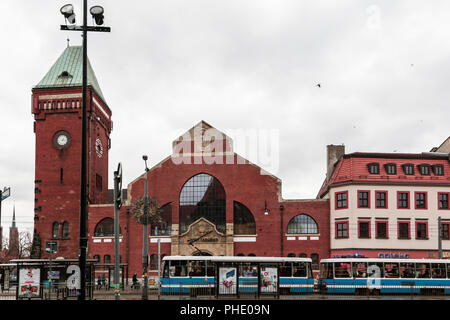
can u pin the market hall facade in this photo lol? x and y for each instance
(204, 191)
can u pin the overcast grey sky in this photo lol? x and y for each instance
(250, 64)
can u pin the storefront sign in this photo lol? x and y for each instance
(391, 255)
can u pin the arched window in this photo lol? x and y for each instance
(163, 228)
(105, 228)
(202, 196)
(65, 230)
(252, 255)
(302, 224)
(240, 255)
(107, 259)
(303, 255)
(55, 230)
(291, 255)
(243, 220)
(154, 262)
(97, 258)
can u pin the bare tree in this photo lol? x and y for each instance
(25, 244)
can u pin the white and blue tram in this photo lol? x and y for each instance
(384, 276)
(236, 275)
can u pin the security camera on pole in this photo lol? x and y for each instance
(117, 206)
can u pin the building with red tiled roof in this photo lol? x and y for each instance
(387, 204)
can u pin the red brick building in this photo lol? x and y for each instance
(203, 189)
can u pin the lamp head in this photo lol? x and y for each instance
(67, 12)
(145, 157)
(97, 14)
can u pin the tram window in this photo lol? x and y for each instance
(407, 270)
(326, 271)
(299, 269)
(391, 270)
(342, 270)
(375, 270)
(210, 269)
(178, 268)
(438, 270)
(166, 269)
(248, 270)
(286, 269)
(422, 270)
(359, 270)
(197, 268)
(448, 270)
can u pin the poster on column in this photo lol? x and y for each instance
(29, 282)
(227, 280)
(269, 280)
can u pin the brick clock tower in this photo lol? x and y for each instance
(56, 106)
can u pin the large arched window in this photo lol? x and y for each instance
(302, 224)
(202, 196)
(243, 220)
(163, 228)
(105, 228)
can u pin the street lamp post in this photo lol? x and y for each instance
(97, 13)
(145, 236)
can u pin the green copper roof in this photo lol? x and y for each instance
(68, 72)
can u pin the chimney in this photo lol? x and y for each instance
(333, 155)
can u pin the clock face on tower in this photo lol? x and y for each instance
(61, 140)
(99, 147)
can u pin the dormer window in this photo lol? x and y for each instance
(374, 168)
(65, 74)
(424, 169)
(438, 169)
(408, 169)
(391, 168)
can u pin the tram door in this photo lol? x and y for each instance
(268, 282)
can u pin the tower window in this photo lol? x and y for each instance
(61, 175)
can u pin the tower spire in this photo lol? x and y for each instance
(14, 216)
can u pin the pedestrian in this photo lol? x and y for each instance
(134, 285)
(103, 280)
